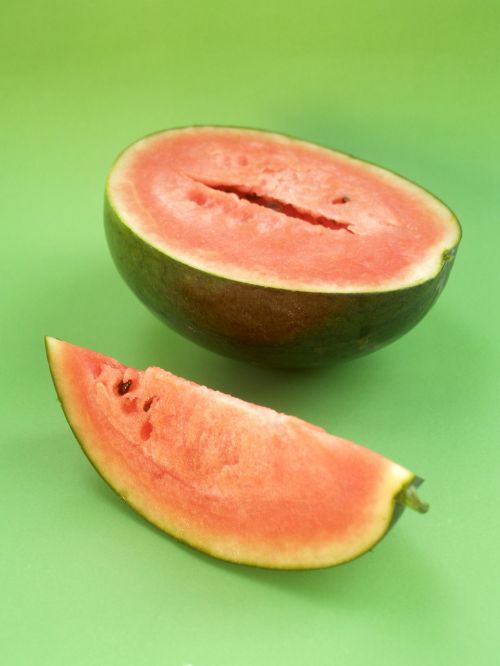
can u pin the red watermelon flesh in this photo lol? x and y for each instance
(239, 481)
(269, 210)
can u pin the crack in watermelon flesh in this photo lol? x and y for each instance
(284, 208)
(237, 480)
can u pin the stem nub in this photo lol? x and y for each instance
(408, 497)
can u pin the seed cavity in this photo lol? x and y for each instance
(198, 198)
(124, 387)
(129, 405)
(283, 207)
(147, 405)
(341, 200)
(146, 430)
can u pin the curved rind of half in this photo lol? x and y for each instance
(119, 474)
(267, 325)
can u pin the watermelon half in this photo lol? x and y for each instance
(238, 481)
(272, 249)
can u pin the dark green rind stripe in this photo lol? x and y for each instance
(277, 327)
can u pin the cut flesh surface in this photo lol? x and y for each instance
(269, 210)
(239, 481)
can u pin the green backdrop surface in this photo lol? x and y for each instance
(412, 86)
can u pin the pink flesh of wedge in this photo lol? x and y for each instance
(236, 480)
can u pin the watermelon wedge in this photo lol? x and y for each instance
(272, 249)
(236, 480)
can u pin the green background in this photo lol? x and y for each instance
(412, 86)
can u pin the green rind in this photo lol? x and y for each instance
(394, 514)
(267, 325)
